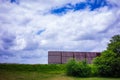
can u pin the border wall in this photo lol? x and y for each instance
(61, 57)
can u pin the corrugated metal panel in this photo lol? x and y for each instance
(59, 57)
(79, 53)
(66, 59)
(79, 56)
(54, 59)
(55, 53)
(98, 54)
(90, 55)
(67, 54)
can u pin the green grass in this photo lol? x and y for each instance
(39, 72)
(44, 68)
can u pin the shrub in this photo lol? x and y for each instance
(94, 70)
(78, 69)
(108, 64)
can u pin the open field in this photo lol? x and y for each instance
(39, 72)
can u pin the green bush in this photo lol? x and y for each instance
(94, 70)
(108, 64)
(78, 69)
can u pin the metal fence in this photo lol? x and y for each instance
(61, 57)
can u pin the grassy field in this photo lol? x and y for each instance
(39, 72)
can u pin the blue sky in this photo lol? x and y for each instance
(80, 6)
(31, 28)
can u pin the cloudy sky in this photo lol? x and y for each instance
(31, 28)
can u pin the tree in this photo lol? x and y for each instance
(108, 64)
(114, 45)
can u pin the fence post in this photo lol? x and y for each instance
(73, 56)
(85, 57)
(61, 57)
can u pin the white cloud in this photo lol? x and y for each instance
(114, 2)
(77, 31)
(20, 44)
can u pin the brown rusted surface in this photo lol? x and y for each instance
(61, 57)
(54, 59)
(54, 53)
(67, 54)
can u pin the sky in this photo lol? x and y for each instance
(31, 28)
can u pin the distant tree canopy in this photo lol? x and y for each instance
(108, 64)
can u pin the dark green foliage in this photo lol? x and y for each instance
(108, 64)
(78, 69)
(114, 45)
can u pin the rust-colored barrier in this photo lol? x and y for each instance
(61, 57)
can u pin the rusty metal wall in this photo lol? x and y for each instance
(61, 57)
(54, 57)
(80, 56)
(66, 56)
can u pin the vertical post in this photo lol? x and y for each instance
(73, 56)
(85, 57)
(61, 57)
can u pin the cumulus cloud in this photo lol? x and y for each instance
(28, 30)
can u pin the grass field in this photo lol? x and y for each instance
(39, 72)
